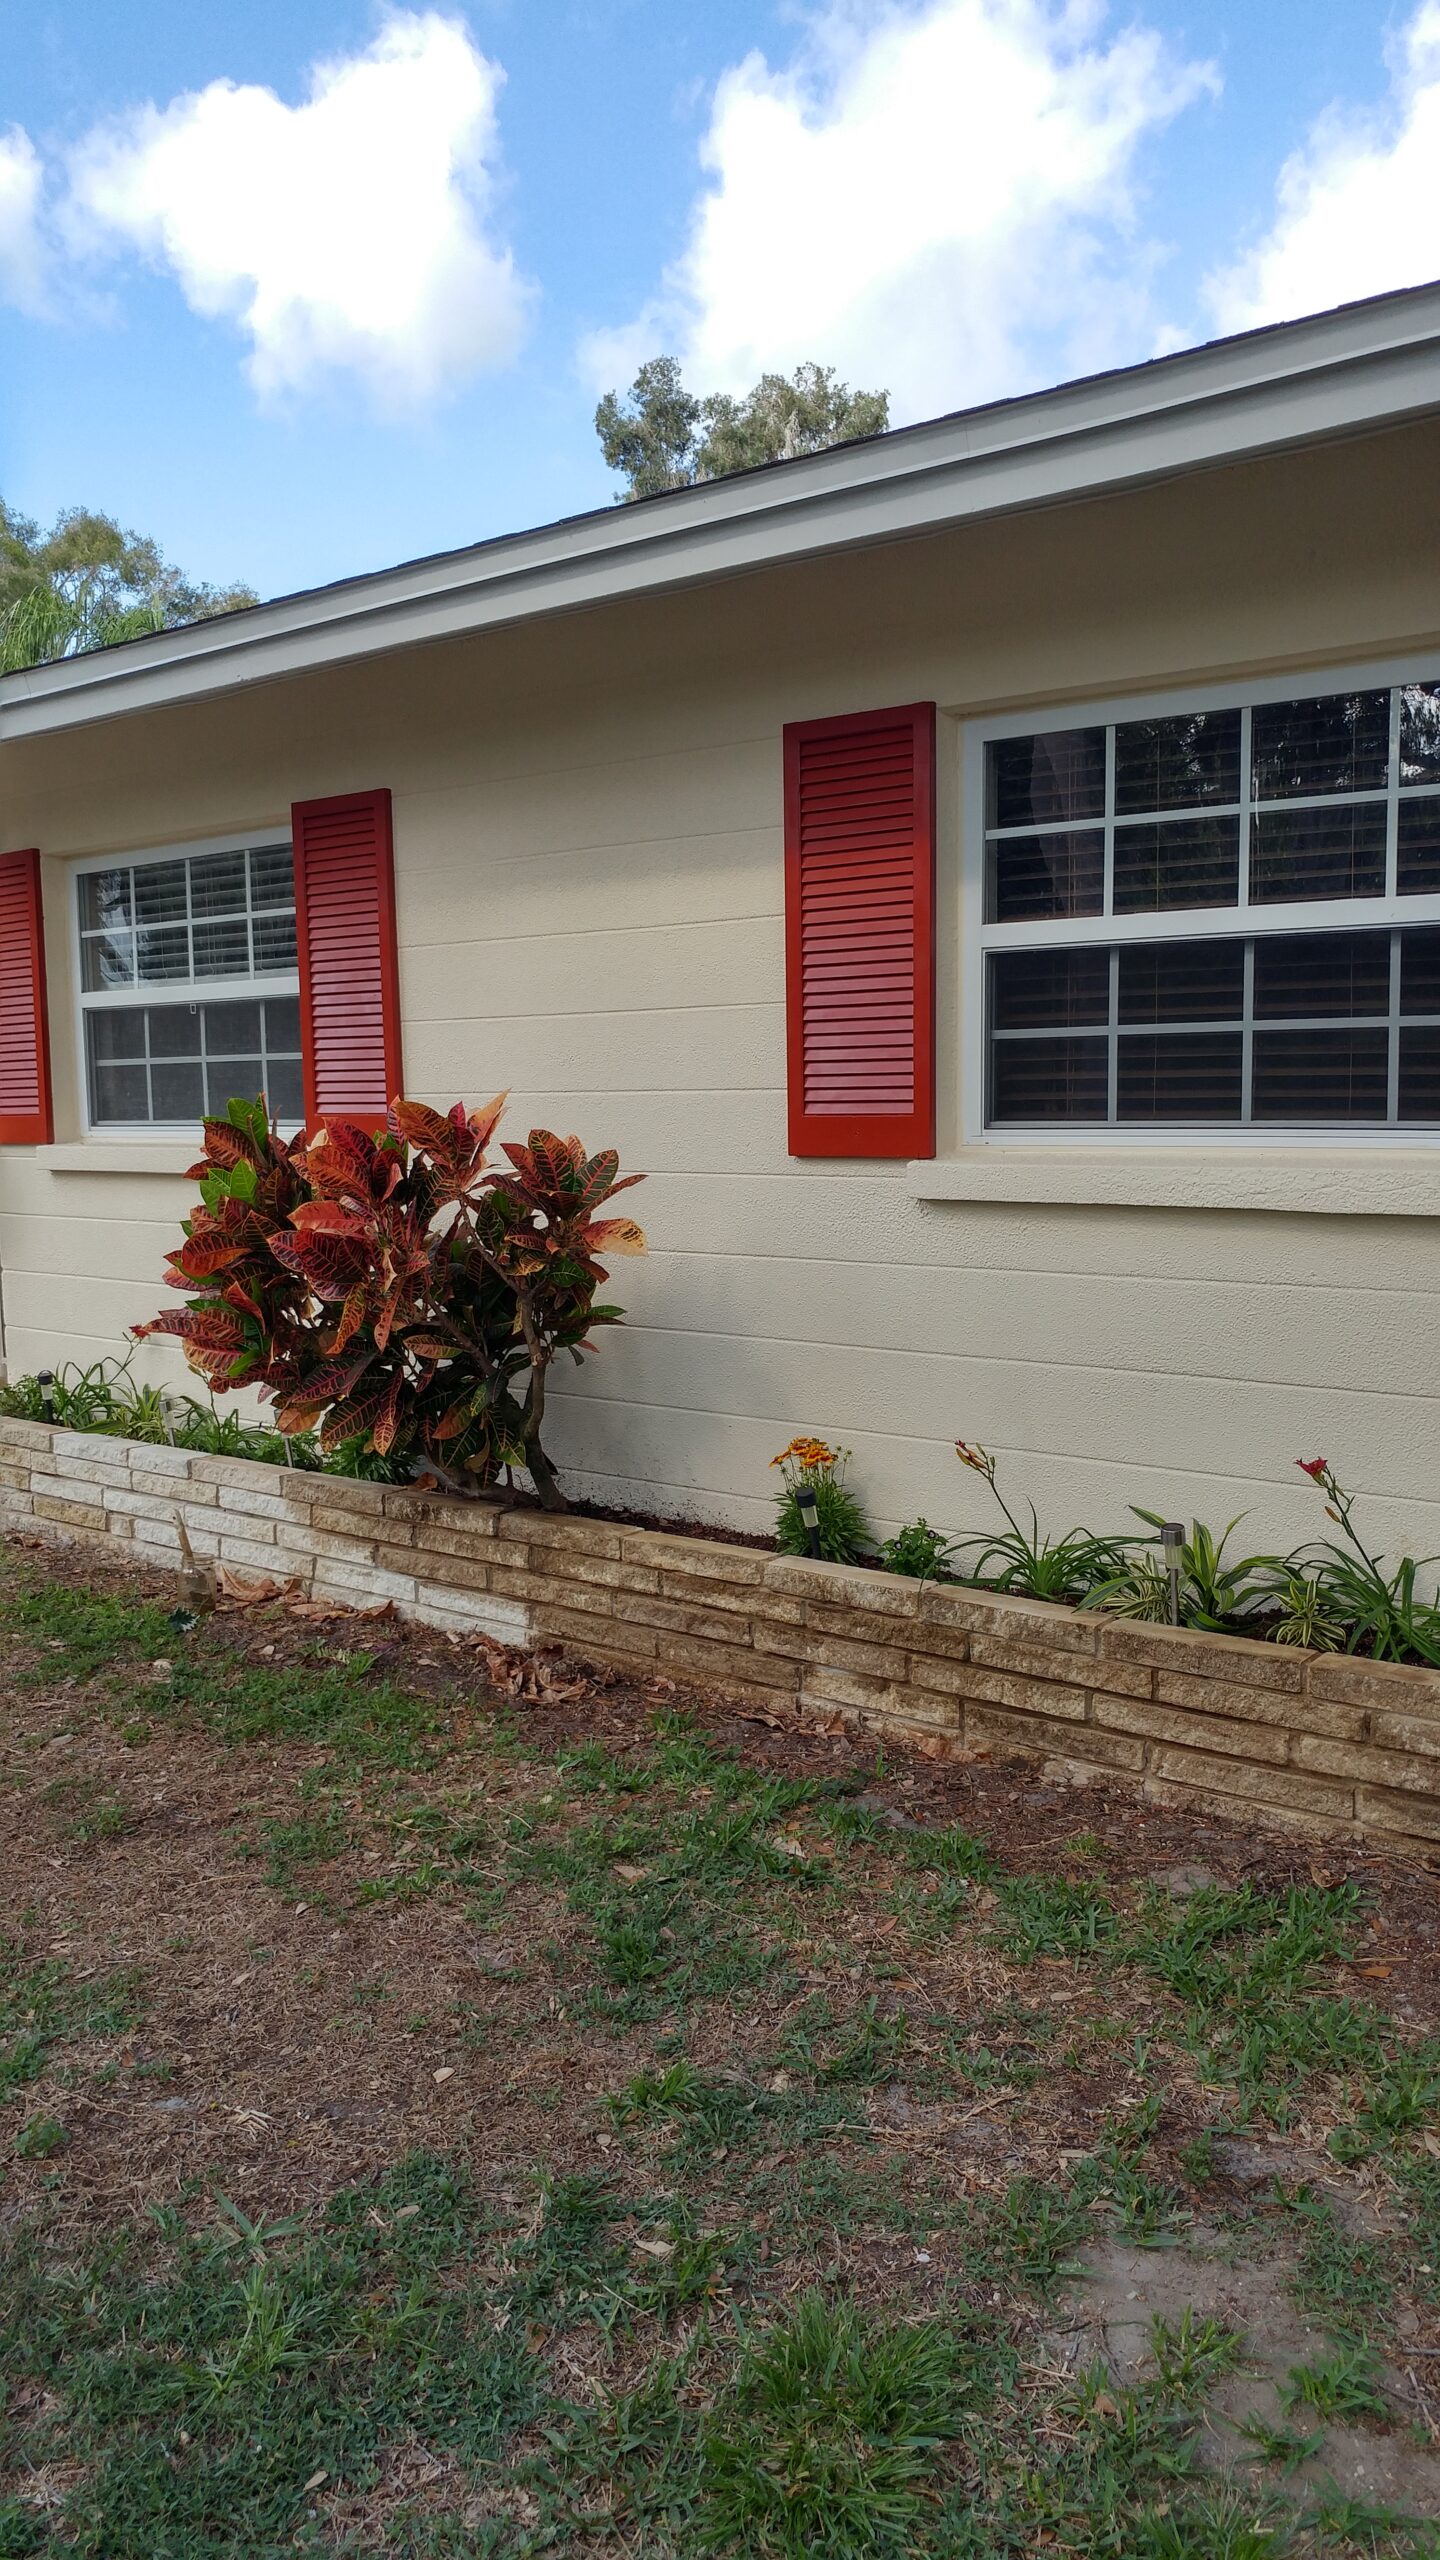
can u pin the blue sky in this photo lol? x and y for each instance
(357, 304)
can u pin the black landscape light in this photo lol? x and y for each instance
(809, 1510)
(46, 1384)
(1172, 1540)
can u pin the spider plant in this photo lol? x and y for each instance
(1216, 1592)
(1025, 1561)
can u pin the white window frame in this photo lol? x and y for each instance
(979, 939)
(157, 992)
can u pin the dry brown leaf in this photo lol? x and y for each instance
(247, 1591)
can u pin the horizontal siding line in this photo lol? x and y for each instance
(601, 1094)
(668, 1254)
(599, 1013)
(1004, 1360)
(1022, 1271)
(941, 1272)
(765, 739)
(549, 934)
(757, 831)
(914, 1440)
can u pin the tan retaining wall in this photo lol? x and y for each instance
(1213, 1721)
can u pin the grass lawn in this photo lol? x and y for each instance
(447, 2111)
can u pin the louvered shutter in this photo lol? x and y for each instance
(25, 1115)
(349, 972)
(860, 933)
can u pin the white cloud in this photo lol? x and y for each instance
(21, 256)
(350, 234)
(1356, 204)
(937, 196)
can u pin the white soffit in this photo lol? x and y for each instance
(1370, 364)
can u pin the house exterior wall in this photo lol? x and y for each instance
(588, 872)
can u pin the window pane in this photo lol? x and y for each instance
(1037, 782)
(1189, 862)
(1030, 876)
(1182, 981)
(1419, 733)
(120, 1034)
(177, 1091)
(161, 952)
(1049, 1079)
(234, 1079)
(286, 1092)
(1178, 763)
(1318, 853)
(104, 899)
(282, 1024)
(1171, 1075)
(1040, 988)
(1420, 970)
(1339, 742)
(160, 893)
(222, 950)
(217, 885)
(274, 944)
(1320, 1075)
(1321, 974)
(1418, 868)
(118, 1093)
(174, 1030)
(1420, 1074)
(232, 1030)
(107, 960)
(272, 876)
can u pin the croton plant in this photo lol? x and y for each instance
(395, 1290)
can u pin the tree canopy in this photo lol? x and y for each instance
(86, 583)
(664, 437)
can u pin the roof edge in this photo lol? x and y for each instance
(1338, 373)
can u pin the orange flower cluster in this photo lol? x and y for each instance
(805, 1453)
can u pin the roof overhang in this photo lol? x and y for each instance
(1344, 373)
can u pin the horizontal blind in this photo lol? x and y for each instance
(349, 970)
(25, 1113)
(859, 910)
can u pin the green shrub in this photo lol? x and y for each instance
(916, 1550)
(841, 1530)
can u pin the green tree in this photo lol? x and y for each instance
(87, 583)
(663, 437)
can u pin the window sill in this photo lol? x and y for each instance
(121, 1155)
(1386, 1182)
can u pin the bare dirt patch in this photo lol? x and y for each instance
(295, 1900)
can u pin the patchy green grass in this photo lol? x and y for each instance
(764, 2141)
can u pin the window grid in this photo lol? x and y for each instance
(277, 1045)
(1393, 1019)
(1244, 808)
(1328, 881)
(261, 908)
(240, 892)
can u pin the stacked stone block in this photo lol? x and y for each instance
(1215, 1722)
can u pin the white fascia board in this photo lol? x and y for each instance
(1369, 365)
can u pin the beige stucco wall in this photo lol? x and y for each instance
(588, 861)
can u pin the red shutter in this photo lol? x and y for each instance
(349, 971)
(860, 933)
(25, 1114)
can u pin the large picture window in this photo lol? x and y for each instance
(189, 990)
(1225, 917)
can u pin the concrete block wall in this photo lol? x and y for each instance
(1216, 1722)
